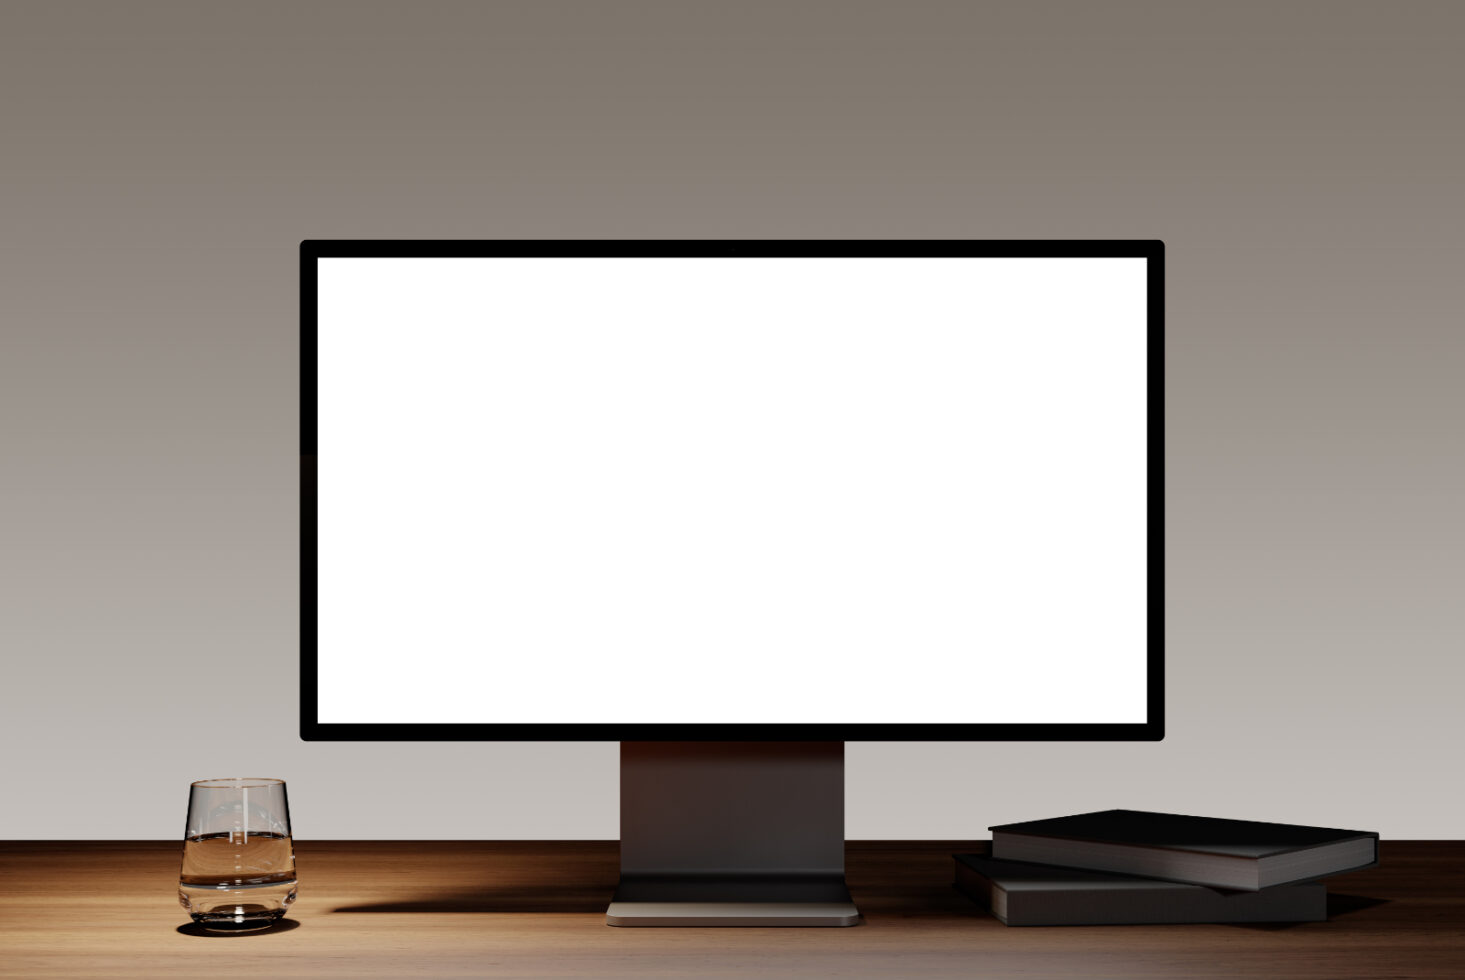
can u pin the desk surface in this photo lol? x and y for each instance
(399, 909)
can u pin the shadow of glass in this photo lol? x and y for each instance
(195, 929)
(936, 901)
(517, 899)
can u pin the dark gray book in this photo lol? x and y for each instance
(1021, 894)
(1242, 854)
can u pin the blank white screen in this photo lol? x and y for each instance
(733, 490)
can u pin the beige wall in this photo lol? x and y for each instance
(160, 162)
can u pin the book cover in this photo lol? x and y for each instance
(1239, 854)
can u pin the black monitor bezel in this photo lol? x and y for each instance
(1153, 729)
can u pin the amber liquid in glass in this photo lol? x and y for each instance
(239, 879)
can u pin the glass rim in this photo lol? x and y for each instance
(237, 782)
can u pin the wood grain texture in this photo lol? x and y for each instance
(526, 909)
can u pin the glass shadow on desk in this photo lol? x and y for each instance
(199, 930)
(507, 899)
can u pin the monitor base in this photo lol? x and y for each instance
(722, 914)
(732, 834)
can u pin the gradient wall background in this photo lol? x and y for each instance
(160, 162)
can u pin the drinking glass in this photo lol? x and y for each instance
(238, 860)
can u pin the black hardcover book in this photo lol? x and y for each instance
(1021, 894)
(1241, 854)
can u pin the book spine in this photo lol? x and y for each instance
(1146, 862)
(1172, 906)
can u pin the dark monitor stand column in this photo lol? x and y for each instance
(732, 834)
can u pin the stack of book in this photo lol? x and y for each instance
(1131, 867)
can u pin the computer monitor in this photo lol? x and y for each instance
(731, 504)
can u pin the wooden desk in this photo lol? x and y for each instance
(520, 909)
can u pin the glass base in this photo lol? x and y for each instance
(242, 918)
(237, 908)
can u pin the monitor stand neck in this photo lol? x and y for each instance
(732, 834)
